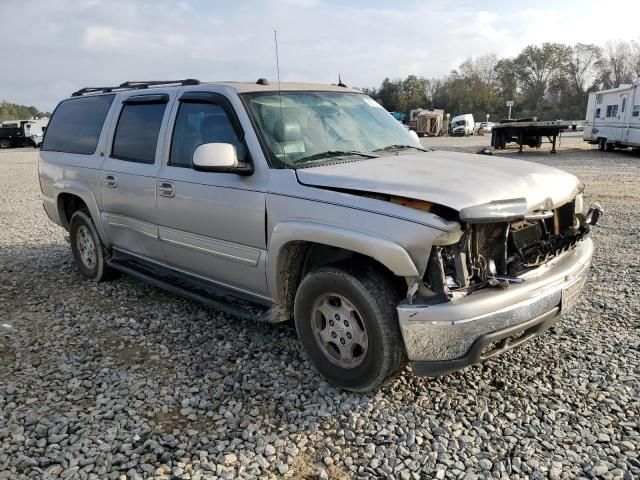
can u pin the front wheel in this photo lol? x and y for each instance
(5, 143)
(347, 323)
(88, 251)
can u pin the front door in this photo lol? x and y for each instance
(212, 224)
(623, 121)
(128, 176)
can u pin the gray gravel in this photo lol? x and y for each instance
(121, 380)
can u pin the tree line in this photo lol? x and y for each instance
(12, 111)
(549, 81)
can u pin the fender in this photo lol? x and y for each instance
(388, 253)
(72, 187)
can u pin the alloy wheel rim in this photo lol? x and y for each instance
(86, 247)
(339, 330)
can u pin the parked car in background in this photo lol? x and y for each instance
(311, 203)
(462, 125)
(487, 126)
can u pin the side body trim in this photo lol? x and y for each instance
(121, 221)
(250, 295)
(219, 248)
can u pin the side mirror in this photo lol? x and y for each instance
(215, 157)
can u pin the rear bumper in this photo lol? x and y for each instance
(449, 336)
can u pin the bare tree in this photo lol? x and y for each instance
(581, 67)
(615, 66)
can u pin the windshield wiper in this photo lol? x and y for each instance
(333, 153)
(398, 147)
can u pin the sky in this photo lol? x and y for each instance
(50, 48)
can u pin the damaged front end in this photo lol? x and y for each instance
(501, 241)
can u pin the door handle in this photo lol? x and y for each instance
(111, 181)
(167, 189)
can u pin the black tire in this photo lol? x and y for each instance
(5, 143)
(82, 226)
(610, 147)
(602, 142)
(375, 300)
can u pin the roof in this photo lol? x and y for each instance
(262, 85)
(272, 86)
(619, 88)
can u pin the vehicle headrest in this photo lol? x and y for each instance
(286, 131)
(217, 129)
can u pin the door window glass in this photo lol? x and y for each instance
(624, 104)
(137, 132)
(197, 124)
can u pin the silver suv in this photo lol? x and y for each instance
(311, 202)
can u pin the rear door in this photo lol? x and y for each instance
(212, 224)
(128, 176)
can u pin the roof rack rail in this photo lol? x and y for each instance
(132, 85)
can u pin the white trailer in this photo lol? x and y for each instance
(613, 117)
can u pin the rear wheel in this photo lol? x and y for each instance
(602, 142)
(347, 323)
(88, 251)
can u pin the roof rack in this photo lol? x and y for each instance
(132, 85)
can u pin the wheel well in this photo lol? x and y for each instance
(68, 204)
(299, 258)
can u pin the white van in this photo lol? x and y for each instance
(462, 125)
(613, 117)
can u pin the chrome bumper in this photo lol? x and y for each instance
(448, 336)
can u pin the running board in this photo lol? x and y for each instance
(199, 291)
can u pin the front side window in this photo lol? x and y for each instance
(137, 132)
(597, 113)
(76, 125)
(197, 124)
(612, 111)
(300, 126)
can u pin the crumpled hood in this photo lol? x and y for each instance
(453, 179)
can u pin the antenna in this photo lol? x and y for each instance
(284, 142)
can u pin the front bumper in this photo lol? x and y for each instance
(449, 336)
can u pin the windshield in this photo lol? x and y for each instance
(303, 126)
(460, 123)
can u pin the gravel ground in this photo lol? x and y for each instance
(121, 380)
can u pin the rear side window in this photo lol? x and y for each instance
(76, 124)
(136, 136)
